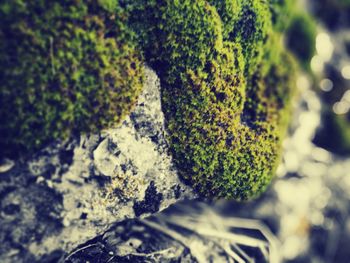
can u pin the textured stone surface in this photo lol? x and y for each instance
(73, 190)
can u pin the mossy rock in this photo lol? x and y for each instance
(227, 81)
(65, 67)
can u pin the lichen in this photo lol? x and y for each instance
(65, 67)
(122, 187)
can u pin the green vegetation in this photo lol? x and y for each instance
(65, 66)
(227, 85)
(227, 81)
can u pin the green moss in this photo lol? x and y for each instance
(223, 148)
(247, 23)
(230, 14)
(65, 66)
(252, 31)
(227, 85)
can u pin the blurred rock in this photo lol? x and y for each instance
(192, 233)
(74, 190)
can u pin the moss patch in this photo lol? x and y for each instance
(227, 84)
(65, 67)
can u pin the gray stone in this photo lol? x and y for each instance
(74, 190)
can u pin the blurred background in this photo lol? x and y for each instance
(307, 207)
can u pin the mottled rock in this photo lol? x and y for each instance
(72, 191)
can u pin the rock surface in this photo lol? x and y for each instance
(74, 190)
